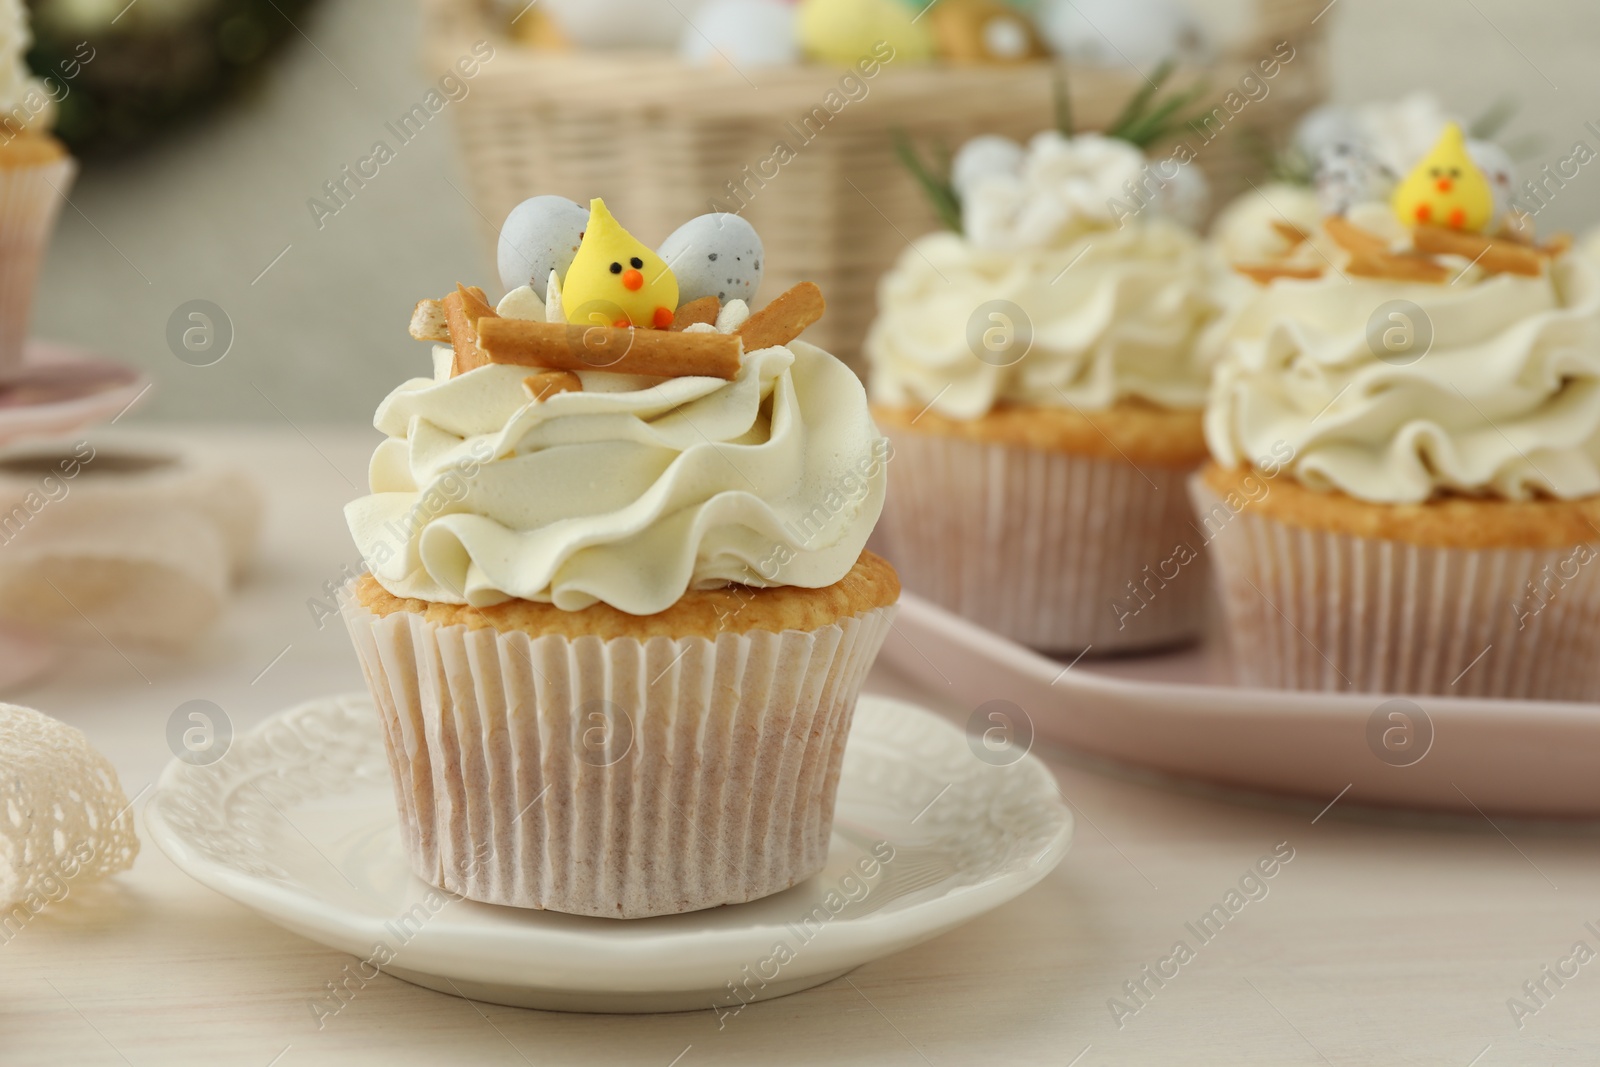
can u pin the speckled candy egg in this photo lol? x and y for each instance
(715, 255)
(985, 155)
(540, 235)
(1327, 127)
(741, 33)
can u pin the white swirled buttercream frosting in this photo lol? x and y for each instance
(1339, 373)
(630, 492)
(1113, 314)
(1071, 285)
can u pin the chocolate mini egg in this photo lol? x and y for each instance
(741, 33)
(984, 31)
(715, 255)
(539, 236)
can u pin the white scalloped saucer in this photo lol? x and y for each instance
(297, 822)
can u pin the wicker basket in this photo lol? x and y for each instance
(662, 141)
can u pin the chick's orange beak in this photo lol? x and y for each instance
(632, 280)
(1445, 185)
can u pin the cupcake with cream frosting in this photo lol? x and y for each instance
(1405, 426)
(1037, 373)
(619, 607)
(35, 172)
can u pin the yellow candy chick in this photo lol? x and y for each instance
(615, 280)
(1446, 188)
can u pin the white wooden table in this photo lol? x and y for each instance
(1388, 939)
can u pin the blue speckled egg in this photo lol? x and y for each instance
(716, 255)
(540, 235)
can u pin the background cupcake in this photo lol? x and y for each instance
(1406, 428)
(616, 629)
(1036, 372)
(35, 172)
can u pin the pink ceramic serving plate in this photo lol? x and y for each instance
(1178, 713)
(59, 389)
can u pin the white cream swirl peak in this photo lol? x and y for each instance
(1501, 397)
(1110, 316)
(1057, 292)
(1056, 188)
(630, 492)
(620, 606)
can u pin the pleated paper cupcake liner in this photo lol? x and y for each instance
(1316, 609)
(1053, 550)
(615, 778)
(30, 198)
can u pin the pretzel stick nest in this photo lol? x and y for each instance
(697, 312)
(570, 347)
(1291, 233)
(1396, 266)
(1356, 240)
(1266, 273)
(480, 337)
(1496, 257)
(1370, 256)
(464, 310)
(546, 384)
(785, 319)
(1558, 245)
(653, 353)
(430, 322)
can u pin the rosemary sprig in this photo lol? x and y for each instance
(1164, 118)
(1292, 167)
(1141, 100)
(1064, 120)
(1148, 117)
(1494, 119)
(1524, 148)
(936, 184)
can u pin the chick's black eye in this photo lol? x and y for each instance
(616, 268)
(1455, 172)
(637, 263)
